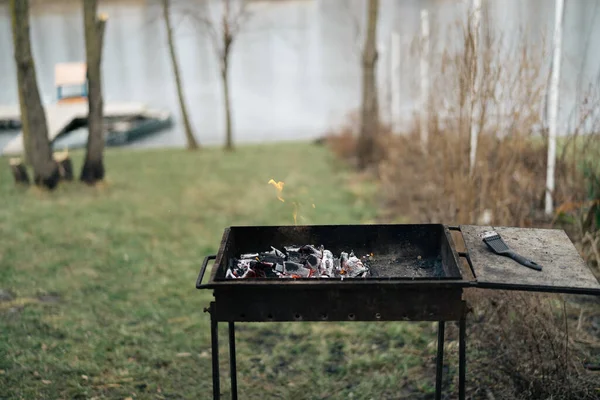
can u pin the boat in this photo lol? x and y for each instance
(127, 131)
(118, 131)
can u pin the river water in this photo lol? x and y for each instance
(295, 67)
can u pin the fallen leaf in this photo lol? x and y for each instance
(35, 373)
(204, 354)
(128, 398)
(2, 372)
(44, 347)
(184, 354)
(84, 377)
(46, 382)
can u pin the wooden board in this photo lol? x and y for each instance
(70, 74)
(564, 271)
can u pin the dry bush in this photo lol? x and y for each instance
(500, 93)
(343, 141)
(506, 188)
(524, 349)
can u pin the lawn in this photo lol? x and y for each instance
(97, 283)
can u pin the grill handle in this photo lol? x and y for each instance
(199, 284)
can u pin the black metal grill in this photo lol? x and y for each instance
(400, 288)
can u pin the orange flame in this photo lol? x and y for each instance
(279, 187)
(295, 213)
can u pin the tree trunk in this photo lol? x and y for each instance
(19, 171)
(370, 108)
(192, 144)
(33, 118)
(93, 167)
(228, 127)
(65, 166)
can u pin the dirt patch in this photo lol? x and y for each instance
(51, 297)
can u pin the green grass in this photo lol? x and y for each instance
(103, 277)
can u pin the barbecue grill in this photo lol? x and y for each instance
(416, 275)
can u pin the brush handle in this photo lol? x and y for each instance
(524, 261)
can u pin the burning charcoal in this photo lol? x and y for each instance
(291, 266)
(263, 265)
(327, 265)
(249, 274)
(278, 253)
(343, 268)
(245, 264)
(271, 273)
(313, 262)
(354, 267)
(249, 256)
(343, 260)
(230, 275)
(298, 262)
(336, 267)
(239, 269)
(270, 257)
(308, 249)
(303, 272)
(292, 253)
(292, 249)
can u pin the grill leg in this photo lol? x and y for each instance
(440, 361)
(462, 359)
(214, 336)
(232, 362)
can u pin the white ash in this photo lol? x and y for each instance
(298, 262)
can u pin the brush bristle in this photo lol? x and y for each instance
(495, 242)
(488, 234)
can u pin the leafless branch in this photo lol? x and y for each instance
(224, 31)
(240, 18)
(205, 23)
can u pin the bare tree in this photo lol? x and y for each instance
(222, 35)
(192, 144)
(369, 123)
(33, 118)
(93, 167)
